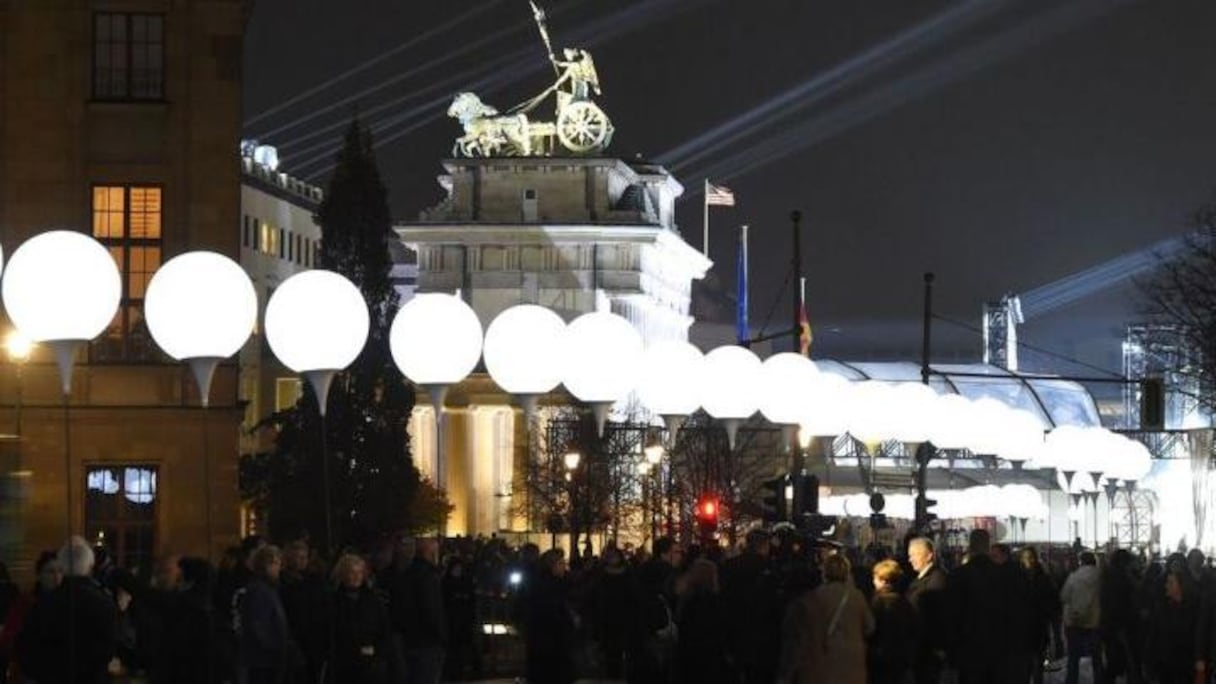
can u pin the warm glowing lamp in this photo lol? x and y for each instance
(316, 324)
(602, 356)
(523, 352)
(731, 389)
(201, 308)
(61, 288)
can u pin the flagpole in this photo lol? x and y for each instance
(705, 220)
(743, 331)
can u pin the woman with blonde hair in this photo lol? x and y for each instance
(360, 626)
(825, 629)
(892, 645)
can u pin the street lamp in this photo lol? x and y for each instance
(316, 324)
(19, 349)
(201, 308)
(571, 460)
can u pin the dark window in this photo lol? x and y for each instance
(245, 230)
(127, 220)
(282, 246)
(120, 513)
(128, 56)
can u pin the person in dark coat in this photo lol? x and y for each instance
(50, 575)
(191, 635)
(1043, 603)
(651, 647)
(893, 644)
(266, 651)
(928, 598)
(549, 638)
(360, 624)
(980, 612)
(1021, 650)
(1117, 615)
(613, 608)
(1172, 651)
(306, 599)
(701, 646)
(416, 610)
(53, 648)
(460, 606)
(751, 594)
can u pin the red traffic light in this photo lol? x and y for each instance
(707, 509)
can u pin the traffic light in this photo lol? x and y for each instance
(924, 513)
(1152, 404)
(806, 496)
(773, 507)
(706, 513)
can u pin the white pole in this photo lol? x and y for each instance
(705, 220)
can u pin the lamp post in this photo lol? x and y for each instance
(654, 458)
(670, 385)
(62, 288)
(523, 352)
(201, 308)
(571, 460)
(436, 341)
(19, 348)
(316, 324)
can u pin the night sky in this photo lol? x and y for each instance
(1034, 140)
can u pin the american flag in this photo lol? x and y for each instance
(719, 196)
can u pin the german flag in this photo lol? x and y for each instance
(805, 337)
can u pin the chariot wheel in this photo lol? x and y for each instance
(583, 127)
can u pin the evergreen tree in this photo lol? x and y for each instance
(373, 479)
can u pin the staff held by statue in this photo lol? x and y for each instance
(539, 15)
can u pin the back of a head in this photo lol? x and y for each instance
(836, 568)
(263, 558)
(76, 558)
(549, 560)
(662, 546)
(758, 541)
(979, 543)
(1088, 558)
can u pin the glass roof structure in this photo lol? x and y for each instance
(1055, 402)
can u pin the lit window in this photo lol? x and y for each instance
(128, 56)
(127, 219)
(286, 393)
(269, 243)
(120, 512)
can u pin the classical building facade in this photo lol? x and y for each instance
(120, 119)
(571, 234)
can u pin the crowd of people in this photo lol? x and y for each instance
(780, 608)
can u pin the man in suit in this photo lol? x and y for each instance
(927, 594)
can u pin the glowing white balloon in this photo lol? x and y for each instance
(200, 305)
(435, 339)
(316, 321)
(669, 381)
(523, 349)
(786, 381)
(61, 285)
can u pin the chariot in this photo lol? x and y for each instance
(580, 126)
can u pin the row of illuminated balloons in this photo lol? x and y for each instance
(64, 285)
(984, 501)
